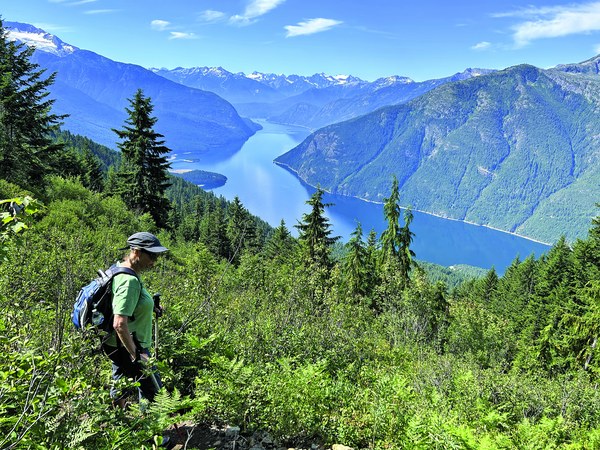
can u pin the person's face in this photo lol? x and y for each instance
(149, 259)
(144, 259)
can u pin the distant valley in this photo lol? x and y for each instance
(515, 149)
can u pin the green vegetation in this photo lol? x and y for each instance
(512, 149)
(268, 332)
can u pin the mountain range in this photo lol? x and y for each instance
(517, 150)
(94, 91)
(313, 101)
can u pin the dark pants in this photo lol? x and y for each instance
(122, 366)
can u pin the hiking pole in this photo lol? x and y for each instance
(158, 312)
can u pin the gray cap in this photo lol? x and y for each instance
(146, 241)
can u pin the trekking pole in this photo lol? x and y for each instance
(158, 312)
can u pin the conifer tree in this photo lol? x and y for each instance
(315, 232)
(356, 264)
(93, 177)
(281, 244)
(390, 238)
(144, 169)
(396, 240)
(213, 231)
(27, 150)
(405, 253)
(241, 230)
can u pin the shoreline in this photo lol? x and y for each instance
(287, 167)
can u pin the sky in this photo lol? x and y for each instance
(369, 39)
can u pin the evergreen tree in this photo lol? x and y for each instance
(144, 170)
(488, 286)
(356, 264)
(27, 151)
(92, 178)
(280, 245)
(213, 231)
(396, 240)
(390, 238)
(405, 254)
(241, 230)
(315, 232)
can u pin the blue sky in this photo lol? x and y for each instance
(366, 38)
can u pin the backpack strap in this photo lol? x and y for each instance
(113, 271)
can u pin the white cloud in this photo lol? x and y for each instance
(212, 16)
(159, 25)
(181, 35)
(481, 46)
(82, 2)
(254, 9)
(552, 22)
(311, 26)
(597, 49)
(100, 11)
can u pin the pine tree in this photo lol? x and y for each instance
(390, 238)
(405, 254)
(315, 232)
(356, 264)
(26, 149)
(241, 230)
(396, 240)
(144, 169)
(213, 231)
(280, 245)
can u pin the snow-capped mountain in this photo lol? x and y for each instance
(35, 37)
(94, 91)
(296, 84)
(234, 87)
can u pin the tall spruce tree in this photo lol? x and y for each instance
(26, 149)
(144, 168)
(390, 238)
(356, 266)
(396, 240)
(280, 245)
(315, 232)
(241, 230)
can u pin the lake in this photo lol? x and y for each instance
(274, 193)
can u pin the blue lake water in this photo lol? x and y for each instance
(274, 193)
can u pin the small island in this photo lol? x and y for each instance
(206, 180)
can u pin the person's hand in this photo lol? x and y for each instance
(159, 311)
(144, 358)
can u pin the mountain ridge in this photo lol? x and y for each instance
(498, 150)
(190, 119)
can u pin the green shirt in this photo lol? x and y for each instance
(131, 299)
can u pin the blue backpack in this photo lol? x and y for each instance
(93, 306)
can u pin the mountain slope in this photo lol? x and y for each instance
(95, 90)
(509, 150)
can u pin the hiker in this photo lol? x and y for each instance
(128, 346)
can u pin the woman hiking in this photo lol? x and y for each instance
(128, 346)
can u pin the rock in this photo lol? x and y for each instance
(232, 431)
(340, 447)
(267, 440)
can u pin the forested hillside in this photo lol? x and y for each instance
(265, 331)
(514, 150)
